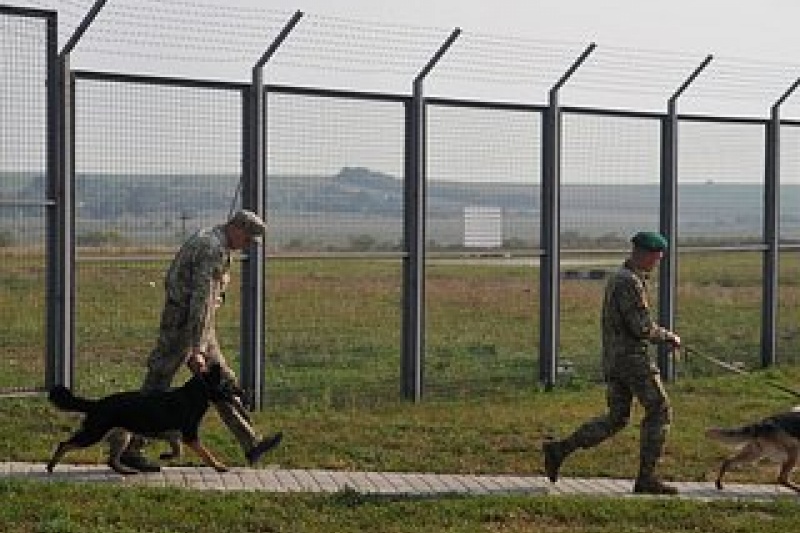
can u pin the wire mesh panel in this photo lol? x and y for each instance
(23, 169)
(721, 204)
(789, 187)
(788, 341)
(482, 237)
(610, 179)
(153, 163)
(335, 201)
(610, 189)
(719, 307)
(157, 158)
(720, 183)
(22, 297)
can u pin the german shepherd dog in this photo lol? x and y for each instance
(155, 413)
(776, 437)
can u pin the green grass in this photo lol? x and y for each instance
(500, 436)
(333, 382)
(33, 508)
(334, 325)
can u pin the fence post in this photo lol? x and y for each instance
(413, 262)
(251, 328)
(668, 216)
(58, 367)
(254, 197)
(549, 275)
(63, 282)
(61, 222)
(413, 336)
(772, 178)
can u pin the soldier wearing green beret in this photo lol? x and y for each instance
(195, 288)
(630, 372)
(650, 240)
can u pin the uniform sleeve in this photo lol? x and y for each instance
(206, 262)
(635, 312)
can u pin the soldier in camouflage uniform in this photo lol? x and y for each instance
(628, 329)
(195, 287)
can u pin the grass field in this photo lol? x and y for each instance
(96, 509)
(334, 325)
(479, 436)
(334, 339)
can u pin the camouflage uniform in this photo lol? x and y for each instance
(629, 371)
(195, 287)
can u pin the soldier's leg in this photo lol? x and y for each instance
(619, 399)
(240, 428)
(162, 365)
(170, 351)
(127, 448)
(653, 434)
(231, 415)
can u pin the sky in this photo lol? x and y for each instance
(766, 29)
(509, 51)
(642, 44)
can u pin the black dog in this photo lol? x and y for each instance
(146, 413)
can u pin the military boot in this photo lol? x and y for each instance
(651, 447)
(255, 453)
(647, 482)
(653, 485)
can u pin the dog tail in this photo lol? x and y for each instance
(741, 434)
(63, 398)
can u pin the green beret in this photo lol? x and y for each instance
(650, 240)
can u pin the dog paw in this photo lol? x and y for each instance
(221, 468)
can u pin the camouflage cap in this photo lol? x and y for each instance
(650, 240)
(248, 221)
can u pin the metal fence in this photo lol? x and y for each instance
(26, 44)
(418, 246)
(153, 162)
(335, 205)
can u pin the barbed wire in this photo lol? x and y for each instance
(71, 5)
(69, 13)
(203, 32)
(224, 9)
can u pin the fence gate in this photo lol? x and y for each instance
(27, 47)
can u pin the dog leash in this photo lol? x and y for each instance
(727, 366)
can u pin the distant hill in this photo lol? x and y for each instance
(357, 202)
(360, 190)
(351, 190)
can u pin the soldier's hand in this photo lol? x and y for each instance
(196, 361)
(673, 340)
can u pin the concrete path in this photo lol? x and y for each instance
(274, 479)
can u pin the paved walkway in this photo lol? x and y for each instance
(274, 479)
